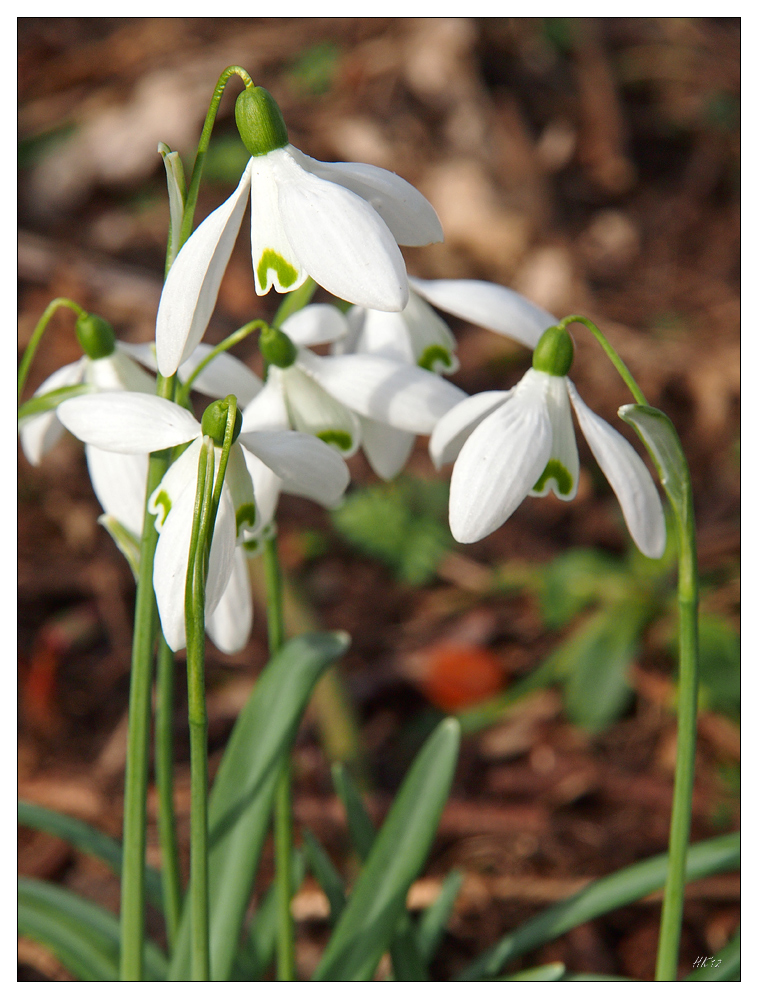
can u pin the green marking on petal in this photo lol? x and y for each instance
(558, 472)
(270, 259)
(245, 516)
(434, 358)
(163, 501)
(252, 546)
(340, 439)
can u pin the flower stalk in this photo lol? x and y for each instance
(164, 776)
(31, 347)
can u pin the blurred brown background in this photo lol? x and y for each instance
(593, 165)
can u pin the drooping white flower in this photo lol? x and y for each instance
(518, 443)
(115, 371)
(348, 400)
(137, 424)
(340, 223)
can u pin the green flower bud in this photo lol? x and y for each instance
(259, 121)
(554, 352)
(214, 422)
(96, 336)
(277, 348)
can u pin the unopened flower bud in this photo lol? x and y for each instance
(554, 352)
(96, 336)
(259, 121)
(214, 422)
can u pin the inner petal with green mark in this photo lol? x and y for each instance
(161, 506)
(435, 359)
(245, 516)
(562, 479)
(285, 275)
(342, 440)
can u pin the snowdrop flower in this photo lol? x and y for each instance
(508, 445)
(347, 400)
(105, 365)
(340, 223)
(137, 424)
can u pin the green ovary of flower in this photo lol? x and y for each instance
(554, 353)
(555, 470)
(96, 336)
(214, 422)
(277, 348)
(259, 121)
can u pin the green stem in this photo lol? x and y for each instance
(205, 138)
(138, 739)
(31, 347)
(164, 773)
(687, 716)
(196, 697)
(615, 359)
(283, 820)
(183, 395)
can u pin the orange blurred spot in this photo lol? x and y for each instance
(456, 675)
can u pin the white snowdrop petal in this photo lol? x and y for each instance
(486, 304)
(275, 261)
(267, 411)
(128, 421)
(192, 286)
(313, 410)
(455, 426)
(627, 476)
(119, 483)
(266, 488)
(405, 396)
(223, 375)
(562, 471)
(305, 465)
(229, 625)
(385, 334)
(119, 372)
(240, 485)
(433, 344)
(405, 211)
(387, 450)
(222, 552)
(339, 239)
(39, 434)
(498, 465)
(315, 324)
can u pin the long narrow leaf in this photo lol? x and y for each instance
(325, 874)
(241, 799)
(257, 951)
(408, 965)
(623, 887)
(83, 935)
(550, 973)
(399, 852)
(87, 839)
(434, 920)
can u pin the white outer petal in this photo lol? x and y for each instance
(175, 481)
(268, 411)
(452, 430)
(305, 465)
(405, 211)
(224, 375)
(339, 238)
(143, 352)
(386, 449)
(266, 487)
(315, 324)
(229, 625)
(627, 476)
(39, 434)
(192, 286)
(492, 306)
(119, 482)
(131, 422)
(118, 372)
(499, 463)
(404, 396)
